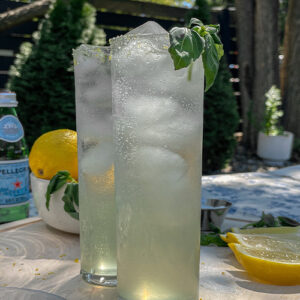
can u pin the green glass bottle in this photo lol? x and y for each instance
(14, 168)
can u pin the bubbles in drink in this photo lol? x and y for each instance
(158, 136)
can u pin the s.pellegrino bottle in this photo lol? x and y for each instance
(14, 168)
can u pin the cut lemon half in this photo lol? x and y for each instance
(268, 230)
(272, 267)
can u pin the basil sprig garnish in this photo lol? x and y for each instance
(188, 43)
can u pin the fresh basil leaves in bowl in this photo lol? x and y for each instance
(60, 211)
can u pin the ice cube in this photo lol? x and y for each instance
(140, 51)
(154, 164)
(163, 122)
(94, 123)
(92, 75)
(98, 93)
(149, 27)
(163, 179)
(149, 110)
(97, 160)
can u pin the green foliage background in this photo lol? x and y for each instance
(42, 77)
(221, 117)
(42, 74)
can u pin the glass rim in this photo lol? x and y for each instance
(160, 40)
(130, 36)
(90, 50)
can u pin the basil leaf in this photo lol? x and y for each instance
(210, 60)
(220, 50)
(215, 26)
(181, 49)
(187, 44)
(75, 194)
(70, 198)
(216, 39)
(56, 183)
(211, 29)
(198, 44)
(285, 221)
(214, 228)
(195, 22)
(212, 238)
(269, 220)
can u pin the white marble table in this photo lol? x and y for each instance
(38, 257)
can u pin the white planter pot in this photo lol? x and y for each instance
(56, 215)
(275, 148)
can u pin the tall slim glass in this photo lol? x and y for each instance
(95, 161)
(158, 117)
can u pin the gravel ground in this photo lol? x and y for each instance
(245, 161)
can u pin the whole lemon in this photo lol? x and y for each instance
(54, 151)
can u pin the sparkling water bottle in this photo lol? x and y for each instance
(14, 169)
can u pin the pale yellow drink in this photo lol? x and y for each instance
(96, 165)
(158, 118)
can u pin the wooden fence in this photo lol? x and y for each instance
(117, 17)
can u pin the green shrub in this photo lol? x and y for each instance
(220, 122)
(296, 150)
(42, 75)
(220, 111)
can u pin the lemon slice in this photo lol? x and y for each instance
(273, 267)
(268, 230)
(282, 232)
(278, 242)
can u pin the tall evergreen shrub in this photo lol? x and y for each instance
(220, 110)
(42, 75)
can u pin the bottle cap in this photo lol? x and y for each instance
(8, 99)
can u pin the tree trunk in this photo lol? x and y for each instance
(266, 67)
(290, 71)
(245, 35)
(24, 13)
(258, 60)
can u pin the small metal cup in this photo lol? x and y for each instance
(214, 214)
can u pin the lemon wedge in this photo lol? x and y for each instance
(268, 230)
(224, 238)
(283, 232)
(267, 266)
(270, 255)
(277, 242)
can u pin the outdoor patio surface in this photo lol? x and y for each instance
(276, 192)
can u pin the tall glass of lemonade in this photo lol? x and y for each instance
(96, 167)
(158, 118)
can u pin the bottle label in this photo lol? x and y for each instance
(11, 129)
(14, 182)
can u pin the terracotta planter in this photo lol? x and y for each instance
(275, 147)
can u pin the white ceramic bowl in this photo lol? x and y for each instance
(55, 216)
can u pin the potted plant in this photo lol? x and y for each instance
(274, 143)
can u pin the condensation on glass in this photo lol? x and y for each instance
(158, 120)
(96, 167)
